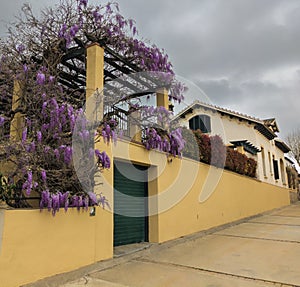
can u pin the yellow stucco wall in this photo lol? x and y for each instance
(36, 245)
(234, 198)
(175, 186)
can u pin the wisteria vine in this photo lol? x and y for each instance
(40, 160)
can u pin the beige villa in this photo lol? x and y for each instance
(152, 199)
(252, 136)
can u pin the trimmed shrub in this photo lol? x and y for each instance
(292, 176)
(211, 150)
(218, 151)
(191, 148)
(204, 146)
(240, 163)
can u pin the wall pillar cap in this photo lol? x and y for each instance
(93, 44)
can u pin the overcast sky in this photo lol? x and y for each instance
(244, 54)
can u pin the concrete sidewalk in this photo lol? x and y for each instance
(263, 251)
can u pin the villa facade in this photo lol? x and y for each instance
(251, 136)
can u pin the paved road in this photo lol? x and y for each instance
(264, 251)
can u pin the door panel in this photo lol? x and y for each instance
(130, 204)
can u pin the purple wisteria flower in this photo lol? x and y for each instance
(40, 78)
(28, 184)
(83, 2)
(86, 201)
(108, 8)
(47, 149)
(93, 198)
(67, 202)
(134, 31)
(172, 143)
(74, 29)
(25, 68)
(32, 147)
(54, 201)
(62, 31)
(45, 197)
(20, 48)
(39, 136)
(2, 121)
(29, 176)
(79, 201)
(57, 154)
(51, 79)
(91, 152)
(103, 201)
(44, 176)
(68, 155)
(24, 135)
(48, 103)
(103, 159)
(108, 131)
(177, 142)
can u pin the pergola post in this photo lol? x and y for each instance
(17, 123)
(94, 81)
(240, 149)
(162, 98)
(135, 131)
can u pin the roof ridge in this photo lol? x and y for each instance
(221, 109)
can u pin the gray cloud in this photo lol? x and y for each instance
(244, 54)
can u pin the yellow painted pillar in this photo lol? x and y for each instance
(94, 93)
(134, 129)
(94, 81)
(16, 124)
(153, 204)
(240, 149)
(162, 98)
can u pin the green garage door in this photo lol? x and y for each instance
(130, 204)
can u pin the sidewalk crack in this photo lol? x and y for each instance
(214, 272)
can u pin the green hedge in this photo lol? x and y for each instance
(292, 176)
(211, 150)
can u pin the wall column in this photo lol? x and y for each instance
(153, 205)
(162, 98)
(94, 81)
(240, 149)
(16, 124)
(134, 129)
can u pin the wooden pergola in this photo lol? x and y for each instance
(118, 71)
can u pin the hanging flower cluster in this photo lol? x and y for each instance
(103, 160)
(156, 115)
(46, 148)
(169, 142)
(108, 130)
(177, 142)
(52, 111)
(88, 23)
(53, 202)
(158, 133)
(2, 120)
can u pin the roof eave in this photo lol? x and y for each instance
(270, 135)
(282, 146)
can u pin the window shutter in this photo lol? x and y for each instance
(201, 122)
(276, 170)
